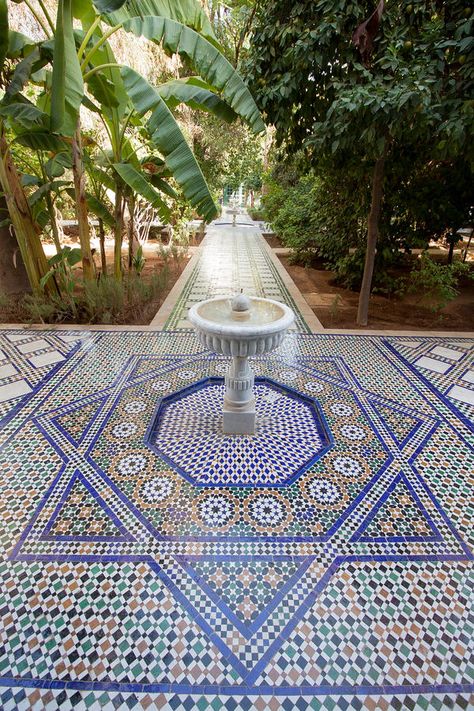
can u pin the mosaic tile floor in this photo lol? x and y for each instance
(327, 565)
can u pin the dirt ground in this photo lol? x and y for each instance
(273, 240)
(337, 308)
(12, 310)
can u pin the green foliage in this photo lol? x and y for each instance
(197, 94)
(314, 215)
(228, 155)
(205, 57)
(138, 260)
(61, 269)
(411, 102)
(168, 138)
(139, 184)
(257, 213)
(309, 80)
(437, 283)
(105, 301)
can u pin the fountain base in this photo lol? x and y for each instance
(239, 419)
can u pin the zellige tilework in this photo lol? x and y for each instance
(148, 560)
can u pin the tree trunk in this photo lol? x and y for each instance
(118, 220)
(26, 232)
(103, 258)
(131, 230)
(82, 213)
(13, 276)
(467, 246)
(372, 236)
(54, 224)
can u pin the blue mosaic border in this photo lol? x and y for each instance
(396, 539)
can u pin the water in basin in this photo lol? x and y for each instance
(260, 312)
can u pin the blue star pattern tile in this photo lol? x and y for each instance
(149, 561)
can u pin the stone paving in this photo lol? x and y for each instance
(149, 561)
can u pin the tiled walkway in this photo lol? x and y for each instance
(148, 561)
(233, 258)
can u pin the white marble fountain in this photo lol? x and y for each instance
(240, 327)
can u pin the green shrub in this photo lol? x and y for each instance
(437, 284)
(104, 301)
(257, 213)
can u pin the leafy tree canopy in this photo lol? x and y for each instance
(311, 82)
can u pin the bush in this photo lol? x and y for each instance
(310, 222)
(437, 283)
(105, 301)
(257, 213)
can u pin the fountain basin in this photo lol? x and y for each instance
(222, 330)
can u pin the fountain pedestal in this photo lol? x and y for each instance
(239, 399)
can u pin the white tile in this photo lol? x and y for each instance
(13, 390)
(410, 344)
(33, 346)
(462, 394)
(7, 370)
(447, 353)
(72, 339)
(469, 376)
(431, 364)
(17, 336)
(46, 359)
(462, 344)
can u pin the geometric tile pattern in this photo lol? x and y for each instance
(291, 434)
(446, 364)
(27, 357)
(125, 585)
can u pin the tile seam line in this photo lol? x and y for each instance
(148, 328)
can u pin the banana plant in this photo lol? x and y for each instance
(27, 231)
(83, 59)
(121, 92)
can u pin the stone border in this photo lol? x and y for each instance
(312, 321)
(166, 308)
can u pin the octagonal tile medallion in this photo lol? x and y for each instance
(291, 435)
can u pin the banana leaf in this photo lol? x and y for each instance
(97, 207)
(169, 140)
(42, 141)
(22, 73)
(201, 54)
(54, 186)
(195, 93)
(4, 39)
(25, 115)
(163, 186)
(187, 12)
(140, 185)
(18, 43)
(67, 87)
